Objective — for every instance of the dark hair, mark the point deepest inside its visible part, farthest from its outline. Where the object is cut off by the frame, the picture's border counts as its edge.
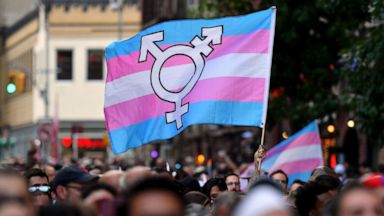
(6, 170)
(190, 184)
(281, 172)
(330, 182)
(98, 186)
(306, 197)
(230, 174)
(63, 209)
(264, 181)
(148, 185)
(219, 182)
(35, 172)
(298, 181)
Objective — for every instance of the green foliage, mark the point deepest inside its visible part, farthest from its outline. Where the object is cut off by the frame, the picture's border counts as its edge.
(311, 41)
(364, 74)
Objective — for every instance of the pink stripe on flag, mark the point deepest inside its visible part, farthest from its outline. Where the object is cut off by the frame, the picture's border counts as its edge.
(150, 106)
(306, 165)
(256, 42)
(303, 140)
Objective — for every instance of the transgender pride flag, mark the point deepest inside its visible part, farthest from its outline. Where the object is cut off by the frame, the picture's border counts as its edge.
(298, 155)
(179, 73)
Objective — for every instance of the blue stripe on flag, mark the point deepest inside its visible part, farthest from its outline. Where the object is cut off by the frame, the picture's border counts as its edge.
(207, 112)
(183, 31)
(303, 176)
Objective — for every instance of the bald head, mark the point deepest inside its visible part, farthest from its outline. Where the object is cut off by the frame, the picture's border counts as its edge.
(135, 174)
(112, 178)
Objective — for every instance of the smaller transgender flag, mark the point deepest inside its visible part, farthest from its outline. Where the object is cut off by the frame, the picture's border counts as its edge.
(298, 155)
(185, 72)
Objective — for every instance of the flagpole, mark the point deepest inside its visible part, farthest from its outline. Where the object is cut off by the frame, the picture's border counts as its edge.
(260, 153)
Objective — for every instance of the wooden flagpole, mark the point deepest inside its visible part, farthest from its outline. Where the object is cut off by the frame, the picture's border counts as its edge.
(260, 153)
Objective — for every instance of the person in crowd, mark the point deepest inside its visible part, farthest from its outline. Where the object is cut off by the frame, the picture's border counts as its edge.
(191, 184)
(312, 198)
(196, 197)
(112, 178)
(213, 187)
(38, 186)
(357, 200)
(233, 182)
(194, 209)
(154, 196)
(295, 185)
(374, 181)
(66, 209)
(322, 170)
(225, 203)
(265, 198)
(69, 183)
(14, 197)
(281, 178)
(99, 197)
(50, 171)
(133, 175)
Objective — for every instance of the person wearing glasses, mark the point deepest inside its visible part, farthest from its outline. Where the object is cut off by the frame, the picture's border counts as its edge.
(38, 187)
(233, 182)
(69, 182)
(280, 177)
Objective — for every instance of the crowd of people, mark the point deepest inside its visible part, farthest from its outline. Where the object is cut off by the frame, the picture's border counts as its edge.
(74, 190)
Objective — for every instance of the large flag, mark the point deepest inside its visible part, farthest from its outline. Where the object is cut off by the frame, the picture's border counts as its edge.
(298, 155)
(179, 73)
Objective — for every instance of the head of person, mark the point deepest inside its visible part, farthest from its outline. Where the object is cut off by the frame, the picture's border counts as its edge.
(321, 171)
(69, 182)
(213, 187)
(14, 197)
(374, 181)
(357, 200)
(97, 193)
(38, 186)
(66, 209)
(197, 198)
(312, 198)
(233, 182)
(112, 178)
(265, 198)
(280, 177)
(190, 184)
(225, 203)
(154, 196)
(134, 175)
(295, 185)
(50, 171)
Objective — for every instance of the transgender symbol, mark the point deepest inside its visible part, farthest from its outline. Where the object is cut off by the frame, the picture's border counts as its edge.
(195, 53)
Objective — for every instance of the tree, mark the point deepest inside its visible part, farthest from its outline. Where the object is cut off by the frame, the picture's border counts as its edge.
(310, 39)
(364, 75)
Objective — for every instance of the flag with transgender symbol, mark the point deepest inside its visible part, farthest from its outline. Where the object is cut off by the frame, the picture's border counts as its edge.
(178, 73)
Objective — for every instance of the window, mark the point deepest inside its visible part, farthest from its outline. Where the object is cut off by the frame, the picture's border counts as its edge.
(64, 64)
(95, 64)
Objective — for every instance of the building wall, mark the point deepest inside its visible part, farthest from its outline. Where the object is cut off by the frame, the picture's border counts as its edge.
(78, 100)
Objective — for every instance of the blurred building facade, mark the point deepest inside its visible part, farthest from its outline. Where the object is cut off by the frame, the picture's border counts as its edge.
(55, 56)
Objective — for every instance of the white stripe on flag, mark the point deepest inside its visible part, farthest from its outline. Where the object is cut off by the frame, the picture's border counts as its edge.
(299, 153)
(231, 65)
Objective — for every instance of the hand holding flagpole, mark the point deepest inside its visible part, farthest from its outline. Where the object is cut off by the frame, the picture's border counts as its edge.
(259, 156)
(260, 153)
